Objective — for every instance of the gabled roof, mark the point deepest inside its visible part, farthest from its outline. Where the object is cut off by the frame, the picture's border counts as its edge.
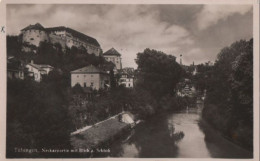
(75, 33)
(112, 51)
(89, 69)
(45, 66)
(37, 26)
(40, 66)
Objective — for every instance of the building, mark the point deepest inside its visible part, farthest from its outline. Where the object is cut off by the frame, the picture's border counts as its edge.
(38, 70)
(126, 80)
(90, 76)
(15, 69)
(113, 56)
(66, 37)
(195, 71)
(128, 70)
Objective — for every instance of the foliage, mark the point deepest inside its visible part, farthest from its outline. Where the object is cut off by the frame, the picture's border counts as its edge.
(37, 116)
(229, 101)
(202, 77)
(158, 73)
(112, 79)
(77, 89)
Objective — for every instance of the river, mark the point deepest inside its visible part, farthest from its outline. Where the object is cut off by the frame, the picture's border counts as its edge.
(176, 135)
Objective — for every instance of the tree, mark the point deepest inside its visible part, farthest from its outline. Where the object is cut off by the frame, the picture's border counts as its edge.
(158, 73)
(229, 101)
(112, 79)
(37, 116)
(13, 45)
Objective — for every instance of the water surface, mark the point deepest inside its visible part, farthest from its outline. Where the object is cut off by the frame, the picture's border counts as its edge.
(176, 135)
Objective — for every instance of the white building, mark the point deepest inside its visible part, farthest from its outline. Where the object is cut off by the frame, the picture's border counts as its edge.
(38, 70)
(126, 80)
(90, 76)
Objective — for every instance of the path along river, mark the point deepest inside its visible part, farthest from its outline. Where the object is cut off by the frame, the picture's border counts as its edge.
(176, 135)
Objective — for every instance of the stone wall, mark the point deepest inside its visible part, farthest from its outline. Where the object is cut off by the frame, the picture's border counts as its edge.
(34, 37)
(57, 39)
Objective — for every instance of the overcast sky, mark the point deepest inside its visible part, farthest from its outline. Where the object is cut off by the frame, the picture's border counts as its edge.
(198, 32)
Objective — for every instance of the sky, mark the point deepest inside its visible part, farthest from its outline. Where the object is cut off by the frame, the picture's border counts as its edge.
(197, 32)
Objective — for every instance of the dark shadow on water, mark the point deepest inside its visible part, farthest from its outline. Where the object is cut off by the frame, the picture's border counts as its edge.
(151, 139)
(219, 146)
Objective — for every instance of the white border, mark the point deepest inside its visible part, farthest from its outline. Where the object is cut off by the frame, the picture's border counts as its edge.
(3, 64)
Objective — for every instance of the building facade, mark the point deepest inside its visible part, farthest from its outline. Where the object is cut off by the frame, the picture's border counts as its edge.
(66, 37)
(36, 71)
(15, 69)
(90, 76)
(113, 56)
(126, 80)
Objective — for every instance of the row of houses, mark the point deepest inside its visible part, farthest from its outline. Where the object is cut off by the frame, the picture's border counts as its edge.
(19, 70)
(89, 76)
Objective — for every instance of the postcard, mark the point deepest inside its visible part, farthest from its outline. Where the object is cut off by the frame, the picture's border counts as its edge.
(124, 80)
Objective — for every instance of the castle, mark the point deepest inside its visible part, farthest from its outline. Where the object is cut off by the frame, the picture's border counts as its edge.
(35, 34)
(113, 56)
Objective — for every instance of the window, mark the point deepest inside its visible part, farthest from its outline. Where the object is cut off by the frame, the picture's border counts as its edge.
(77, 76)
(92, 84)
(31, 38)
(129, 85)
(85, 84)
(91, 75)
(84, 75)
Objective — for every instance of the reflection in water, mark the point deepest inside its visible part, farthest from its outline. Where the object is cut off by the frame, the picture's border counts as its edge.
(181, 135)
(220, 147)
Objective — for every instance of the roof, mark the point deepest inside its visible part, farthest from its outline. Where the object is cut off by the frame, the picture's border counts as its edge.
(45, 66)
(112, 51)
(75, 33)
(89, 69)
(37, 26)
(40, 66)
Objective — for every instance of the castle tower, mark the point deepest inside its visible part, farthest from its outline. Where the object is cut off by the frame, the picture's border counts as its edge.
(114, 56)
(34, 34)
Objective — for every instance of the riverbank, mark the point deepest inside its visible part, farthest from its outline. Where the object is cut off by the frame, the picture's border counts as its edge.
(156, 138)
(237, 133)
(100, 133)
(212, 134)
